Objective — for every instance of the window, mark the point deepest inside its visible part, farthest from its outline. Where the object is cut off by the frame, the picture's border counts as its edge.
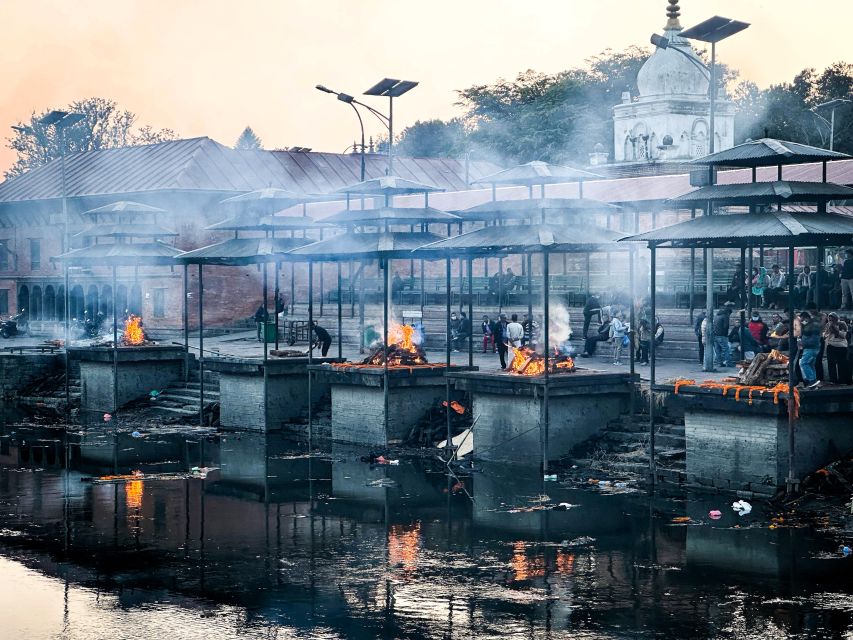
(4, 254)
(35, 253)
(4, 302)
(159, 303)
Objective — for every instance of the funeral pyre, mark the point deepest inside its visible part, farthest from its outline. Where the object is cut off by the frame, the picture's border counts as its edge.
(528, 362)
(403, 350)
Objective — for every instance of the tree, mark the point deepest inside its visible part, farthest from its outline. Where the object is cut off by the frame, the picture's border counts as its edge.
(104, 126)
(248, 140)
(433, 139)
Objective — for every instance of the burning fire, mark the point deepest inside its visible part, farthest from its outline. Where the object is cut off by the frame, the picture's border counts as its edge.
(402, 350)
(133, 333)
(526, 362)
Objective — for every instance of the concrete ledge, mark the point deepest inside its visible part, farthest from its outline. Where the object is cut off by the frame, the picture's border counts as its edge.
(255, 366)
(581, 381)
(374, 376)
(127, 354)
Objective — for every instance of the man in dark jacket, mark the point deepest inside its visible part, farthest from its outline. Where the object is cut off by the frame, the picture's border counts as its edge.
(592, 307)
(322, 339)
(809, 343)
(501, 339)
(260, 318)
(847, 280)
(697, 329)
(722, 351)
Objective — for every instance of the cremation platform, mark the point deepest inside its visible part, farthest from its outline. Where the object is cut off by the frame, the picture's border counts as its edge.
(509, 411)
(242, 403)
(739, 444)
(139, 371)
(358, 404)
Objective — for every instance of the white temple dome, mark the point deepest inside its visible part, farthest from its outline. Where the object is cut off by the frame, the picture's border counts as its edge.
(669, 72)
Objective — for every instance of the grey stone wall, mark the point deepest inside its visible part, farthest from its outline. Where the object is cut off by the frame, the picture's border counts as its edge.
(19, 370)
(357, 412)
(508, 427)
(242, 400)
(135, 380)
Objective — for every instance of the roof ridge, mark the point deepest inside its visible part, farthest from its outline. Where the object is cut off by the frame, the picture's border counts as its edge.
(203, 141)
(790, 223)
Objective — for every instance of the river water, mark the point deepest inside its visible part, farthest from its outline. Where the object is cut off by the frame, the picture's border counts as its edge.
(278, 545)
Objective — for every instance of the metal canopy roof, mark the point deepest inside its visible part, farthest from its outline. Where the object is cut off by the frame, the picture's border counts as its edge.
(125, 231)
(387, 186)
(742, 229)
(121, 254)
(392, 244)
(523, 209)
(265, 223)
(766, 152)
(124, 206)
(751, 193)
(399, 215)
(243, 251)
(528, 238)
(538, 172)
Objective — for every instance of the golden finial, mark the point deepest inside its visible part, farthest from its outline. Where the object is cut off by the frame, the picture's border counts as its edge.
(672, 13)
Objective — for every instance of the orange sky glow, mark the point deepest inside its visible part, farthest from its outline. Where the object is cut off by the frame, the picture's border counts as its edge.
(211, 67)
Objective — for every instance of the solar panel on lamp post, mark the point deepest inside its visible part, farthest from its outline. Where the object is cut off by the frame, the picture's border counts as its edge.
(833, 105)
(392, 89)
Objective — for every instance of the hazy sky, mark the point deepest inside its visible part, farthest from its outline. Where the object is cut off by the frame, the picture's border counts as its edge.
(210, 67)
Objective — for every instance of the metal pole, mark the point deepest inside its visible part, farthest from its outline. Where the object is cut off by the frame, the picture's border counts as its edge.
(115, 346)
(471, 313)
(340, 316)
(186, 324)
(748, 287)
(692, 272)
(275, 303)
(546, 321)
(292, 288)
(633, 315)
(792, 357)
(266, 350)
(831, 130)
(361, 344)
(390, 136)
(653, 269)
(66, 241)
(310, 354)
(530, 293)
(200, 346)
(712, 87)
(818, 281)
(386, 291)
(745, 308)
(447, 347)
(322, 288)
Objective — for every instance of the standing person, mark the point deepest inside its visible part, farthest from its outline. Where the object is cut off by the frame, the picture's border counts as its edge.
(531, 332)
(464, 329)
(700, 335)
(809, 343)
(644, 341)
(618, 330)
(835, 338)
(322, 339)
(775, 287)
(515, 332)
(260, 318)
(722, 352)
(488, 335)
(455, 325)
(734, 292)
(759, 283)
(502, 338)
(847, 280)
(818, 297)
(759, 330)
(592, 307)
(396, 285)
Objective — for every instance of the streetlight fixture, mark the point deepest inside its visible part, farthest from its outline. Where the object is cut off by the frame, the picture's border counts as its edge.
(833, 105)
(712, 30)
(388, 87)
(62, 120)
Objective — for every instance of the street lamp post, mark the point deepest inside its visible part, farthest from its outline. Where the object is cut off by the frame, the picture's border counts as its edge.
(712, 30)
(388, 87)
(61, 120)
(832, 104)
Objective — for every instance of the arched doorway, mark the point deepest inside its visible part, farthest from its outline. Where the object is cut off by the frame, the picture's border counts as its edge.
(23, 298)
(60, 303)
(77, 303)
(92, 301)
(135, 303)
(35, 303)
(49, 312)
(121, 300)
(106, 306)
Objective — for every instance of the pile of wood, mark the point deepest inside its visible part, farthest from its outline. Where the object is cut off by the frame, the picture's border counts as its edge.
(398, 356)
(765, 369)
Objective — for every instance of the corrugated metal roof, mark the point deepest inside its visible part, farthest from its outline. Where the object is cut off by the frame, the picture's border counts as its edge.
(766, 152)
(202, 164)
(243, 251)
(399, 215)
(538, 172)
(265, 223)
(125, 231)
(392, 244)
(750, 193)
(521, 209)
(728, 230)
(387, 186)
(527, 238)
(121, 254)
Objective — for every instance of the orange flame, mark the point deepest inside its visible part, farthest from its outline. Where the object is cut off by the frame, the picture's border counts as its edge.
(402, 335)
(526, 362)
(133, 334)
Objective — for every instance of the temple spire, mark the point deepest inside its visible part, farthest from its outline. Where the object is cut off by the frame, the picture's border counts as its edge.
(672, 13)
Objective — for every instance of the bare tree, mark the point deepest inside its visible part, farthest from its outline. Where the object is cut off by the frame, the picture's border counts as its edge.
(248, 140)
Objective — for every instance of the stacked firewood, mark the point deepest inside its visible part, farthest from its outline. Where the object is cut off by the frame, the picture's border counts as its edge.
(765, 369)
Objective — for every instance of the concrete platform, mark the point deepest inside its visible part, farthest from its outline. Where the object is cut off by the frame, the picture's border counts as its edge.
(741, 446)
(358, 400)
(243, 405)
(140, 370)
(510, 417)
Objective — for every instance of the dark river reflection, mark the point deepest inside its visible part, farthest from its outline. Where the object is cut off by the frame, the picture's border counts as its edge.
(277, 545)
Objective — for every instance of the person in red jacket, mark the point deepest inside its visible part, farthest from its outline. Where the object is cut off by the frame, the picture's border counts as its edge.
(759, 331)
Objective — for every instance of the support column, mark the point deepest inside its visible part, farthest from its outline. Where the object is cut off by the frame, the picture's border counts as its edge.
(310, 354)
(386, 291)
(266, 348)
(340, 316)
(709, 305)
(447, 347)
(275, 301)
(545, 423)
(186, 320)
(200, 346)
(653, 269)
(692, 273)
(115, 347)
(792, 481)
(471, 313)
